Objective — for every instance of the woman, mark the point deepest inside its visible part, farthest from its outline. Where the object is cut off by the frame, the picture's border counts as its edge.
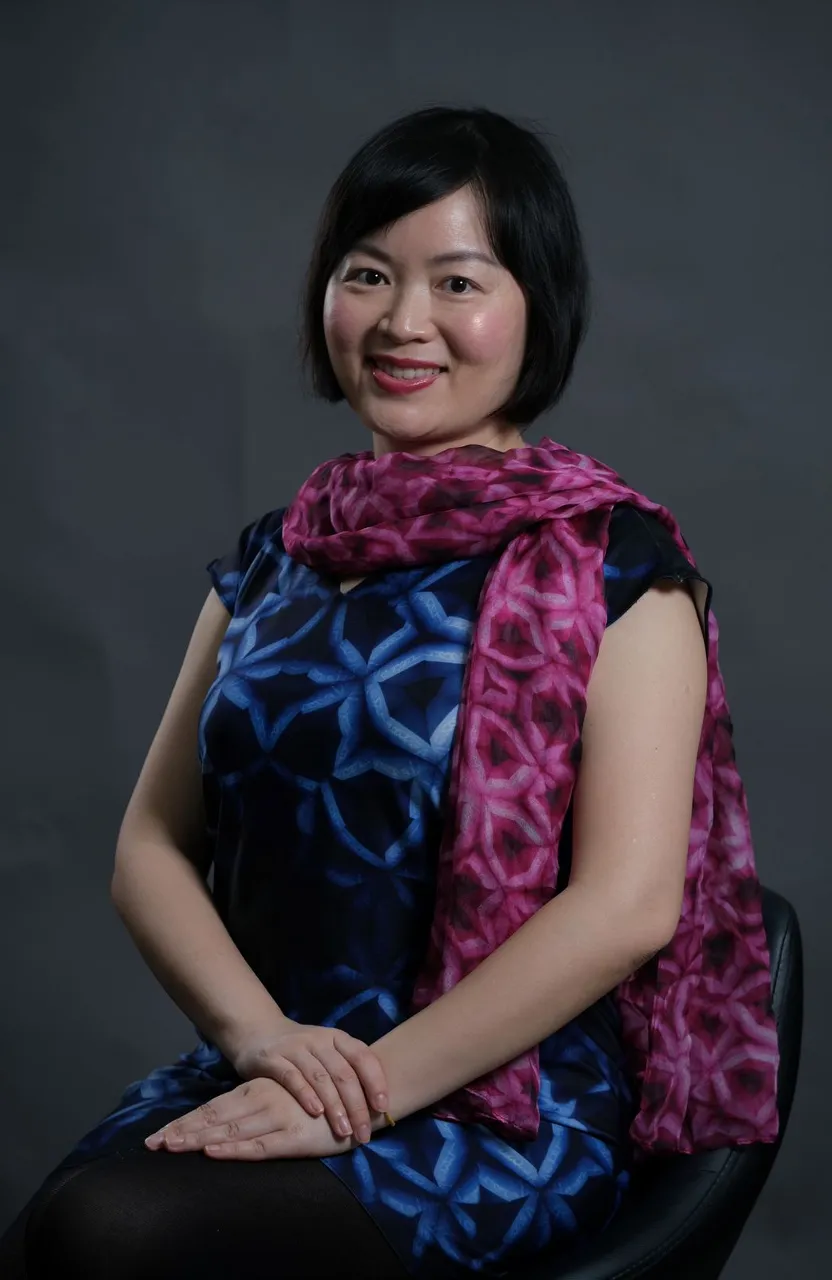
(415, 1011)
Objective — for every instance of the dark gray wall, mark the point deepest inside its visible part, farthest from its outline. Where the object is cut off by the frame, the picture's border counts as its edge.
(162, 166)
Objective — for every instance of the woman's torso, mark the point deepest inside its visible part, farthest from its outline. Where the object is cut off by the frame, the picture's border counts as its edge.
(325, 744)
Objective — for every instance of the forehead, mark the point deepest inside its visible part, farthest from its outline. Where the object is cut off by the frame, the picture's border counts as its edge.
(454, 222)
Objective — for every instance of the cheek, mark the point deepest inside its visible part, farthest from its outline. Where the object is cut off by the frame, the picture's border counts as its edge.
(492, 336)
(343, 326)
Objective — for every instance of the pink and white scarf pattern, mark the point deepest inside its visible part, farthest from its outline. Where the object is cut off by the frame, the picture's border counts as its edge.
(697, 1021)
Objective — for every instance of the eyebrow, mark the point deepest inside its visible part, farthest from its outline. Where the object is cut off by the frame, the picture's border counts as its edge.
(457, 255)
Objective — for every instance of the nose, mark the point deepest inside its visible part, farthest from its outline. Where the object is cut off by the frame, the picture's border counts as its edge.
(407, 315)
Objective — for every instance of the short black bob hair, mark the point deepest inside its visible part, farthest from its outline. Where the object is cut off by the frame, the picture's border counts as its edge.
(528, 216)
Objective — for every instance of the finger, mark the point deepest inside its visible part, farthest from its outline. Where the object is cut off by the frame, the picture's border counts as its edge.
(325, 1091)
(367, 1067)
(303, 1076)
(244, 1100)
(269, 1147)
(295, 1075)
(350, 1091)
(232, 1131)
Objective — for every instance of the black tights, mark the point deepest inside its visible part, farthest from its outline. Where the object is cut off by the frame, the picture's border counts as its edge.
(185, 1216)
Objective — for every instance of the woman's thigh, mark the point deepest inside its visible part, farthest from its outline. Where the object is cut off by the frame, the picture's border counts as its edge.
(139, 1213)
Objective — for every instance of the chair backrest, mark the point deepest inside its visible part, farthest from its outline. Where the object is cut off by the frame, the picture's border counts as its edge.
(684, 1214)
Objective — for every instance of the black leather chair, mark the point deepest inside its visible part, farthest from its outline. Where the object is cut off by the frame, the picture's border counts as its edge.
(684, 1214)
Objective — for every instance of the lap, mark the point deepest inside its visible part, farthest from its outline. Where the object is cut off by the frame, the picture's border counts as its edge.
(136, 1213)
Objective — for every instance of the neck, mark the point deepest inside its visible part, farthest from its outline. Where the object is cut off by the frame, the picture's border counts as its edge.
(500, 437)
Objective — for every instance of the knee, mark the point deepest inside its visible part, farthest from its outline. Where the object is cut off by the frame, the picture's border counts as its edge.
(82, 1231)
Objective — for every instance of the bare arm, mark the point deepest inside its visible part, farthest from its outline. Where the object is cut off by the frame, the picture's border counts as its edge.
(158, 885)
(158, 888)
(632, 812)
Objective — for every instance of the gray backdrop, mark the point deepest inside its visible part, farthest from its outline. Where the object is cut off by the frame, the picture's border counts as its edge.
(163, 163)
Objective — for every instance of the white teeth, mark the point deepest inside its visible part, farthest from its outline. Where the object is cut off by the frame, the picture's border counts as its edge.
(407, 374)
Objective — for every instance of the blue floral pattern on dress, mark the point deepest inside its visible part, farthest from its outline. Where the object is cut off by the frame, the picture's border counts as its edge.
(325, 744)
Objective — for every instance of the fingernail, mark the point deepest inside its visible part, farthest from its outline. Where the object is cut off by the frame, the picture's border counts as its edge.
(381, 1101)
(364, 1132)
(344, 1127)
(175, 1142)
(317, 1106)
(154, 1140)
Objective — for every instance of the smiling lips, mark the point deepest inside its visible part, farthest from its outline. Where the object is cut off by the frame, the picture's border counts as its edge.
(401, 377)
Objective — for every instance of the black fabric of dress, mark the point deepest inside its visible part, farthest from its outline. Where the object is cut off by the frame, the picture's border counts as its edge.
(136, 1213)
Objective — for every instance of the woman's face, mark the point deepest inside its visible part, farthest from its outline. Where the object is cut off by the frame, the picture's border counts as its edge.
(427, 291)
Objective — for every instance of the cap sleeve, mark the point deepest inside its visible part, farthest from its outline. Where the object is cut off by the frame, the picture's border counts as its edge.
(640, 551)
(228, 571)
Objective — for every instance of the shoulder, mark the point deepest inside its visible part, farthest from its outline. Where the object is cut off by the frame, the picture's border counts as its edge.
(229, 570)
(641, 551)
(266, 530)
(636, 535)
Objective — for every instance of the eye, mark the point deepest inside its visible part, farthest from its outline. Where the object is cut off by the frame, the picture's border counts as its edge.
(468, 285)
(357, 272)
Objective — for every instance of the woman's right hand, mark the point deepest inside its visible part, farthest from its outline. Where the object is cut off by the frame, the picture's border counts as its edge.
(326, 1070)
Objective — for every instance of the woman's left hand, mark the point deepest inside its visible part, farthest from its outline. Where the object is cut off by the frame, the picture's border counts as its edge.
(258, 1120)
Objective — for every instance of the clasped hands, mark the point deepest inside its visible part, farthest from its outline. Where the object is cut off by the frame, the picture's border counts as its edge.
(306, 1091)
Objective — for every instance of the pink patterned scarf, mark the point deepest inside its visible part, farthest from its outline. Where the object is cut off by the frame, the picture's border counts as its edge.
(697, 1020)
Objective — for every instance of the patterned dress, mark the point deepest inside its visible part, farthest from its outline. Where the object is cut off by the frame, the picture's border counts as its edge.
(325, 745)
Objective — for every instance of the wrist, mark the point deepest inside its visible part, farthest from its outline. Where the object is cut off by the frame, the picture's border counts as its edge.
(405, 1090)
(381, 1120)
(241, 1040)
(323, 1142)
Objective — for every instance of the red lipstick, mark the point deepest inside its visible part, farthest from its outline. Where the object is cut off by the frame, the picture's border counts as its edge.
(403, 386)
